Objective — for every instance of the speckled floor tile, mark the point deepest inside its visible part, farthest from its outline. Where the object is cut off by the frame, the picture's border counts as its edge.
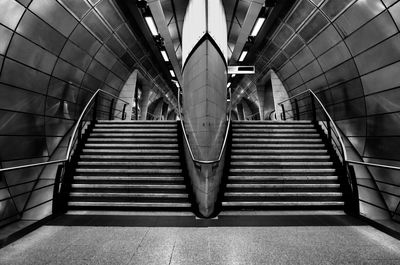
(214, 245)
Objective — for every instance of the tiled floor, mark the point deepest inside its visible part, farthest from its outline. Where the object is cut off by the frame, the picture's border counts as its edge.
(343, 241)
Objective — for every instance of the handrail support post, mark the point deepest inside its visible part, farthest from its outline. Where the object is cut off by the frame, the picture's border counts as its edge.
(283, 112)
(111, 109)
(124, 113)
(314, 111)
(95, 108)
(328, 123)
(297, 109)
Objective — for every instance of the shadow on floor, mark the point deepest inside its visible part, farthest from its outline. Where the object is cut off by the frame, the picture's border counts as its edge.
(190, 221)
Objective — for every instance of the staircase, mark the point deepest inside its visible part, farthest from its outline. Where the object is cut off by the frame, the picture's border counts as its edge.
(130, 166)
(280, 165)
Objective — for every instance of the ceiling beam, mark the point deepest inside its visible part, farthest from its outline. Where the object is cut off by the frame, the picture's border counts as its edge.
(159, 18)
(249, 20)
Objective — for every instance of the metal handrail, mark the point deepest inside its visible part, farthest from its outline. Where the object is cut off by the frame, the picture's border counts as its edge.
(187, 140)
(111, 95)
(295, 96)
(373, 165)
(333, 124)
(339, 135)
(327, 115)
(71, 140)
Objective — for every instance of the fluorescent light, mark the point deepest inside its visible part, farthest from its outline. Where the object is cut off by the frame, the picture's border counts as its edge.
(172, 73)
(241, 91)
(233, 75)
(242, 56)
(257, 26)
(152, 25)
(229, 84)
(165, 55)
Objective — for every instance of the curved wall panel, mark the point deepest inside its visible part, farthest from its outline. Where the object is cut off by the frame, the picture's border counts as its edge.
(53, 55)
(348, 52)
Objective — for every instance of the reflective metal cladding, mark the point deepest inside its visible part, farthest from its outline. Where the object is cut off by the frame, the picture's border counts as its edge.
(53, 55)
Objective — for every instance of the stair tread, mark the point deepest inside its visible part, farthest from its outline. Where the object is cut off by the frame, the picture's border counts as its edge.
(130, 163)
(141, 170)
(126, 151)
(130, 204)
(274, 135)
(132, 145)
(282, 203)
(278, 151)
(281, 163)
(119, 135)
(138, 121)
(132, 140)
(272, 121)
(282, 194)
(130, 157)
(275, 157)
(283, 177)
(122, 186)
(283, 185)
(276, 140)
(129, 178)
(274, 130)
(270, 170)
(129, 194)
(308, 145)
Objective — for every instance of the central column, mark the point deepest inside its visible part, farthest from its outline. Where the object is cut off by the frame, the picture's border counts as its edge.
(204, 57)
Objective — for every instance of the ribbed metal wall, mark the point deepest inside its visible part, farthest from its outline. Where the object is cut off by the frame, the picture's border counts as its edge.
(348, 51)
(53, 55)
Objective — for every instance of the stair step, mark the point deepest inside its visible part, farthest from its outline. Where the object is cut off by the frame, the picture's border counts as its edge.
(130, 164)
(272, 125)
(130, 151)
(138, 130)
(129, 178)
(274, 135)
(265, 122)
(283, 185)
(131, 204)
(278, 151)
(274, 130)
(283, 170)
(279, 157)
(132, 140)
(118, 146)
(148, 127)
(139, 122)
(130, 157)
(130, 171)
(277, 146)
(282, 203)
(283, 178)
(128, 195)
(275, 141)
(283, 194)
(280, 164)
(134, 135)
(127, 186)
